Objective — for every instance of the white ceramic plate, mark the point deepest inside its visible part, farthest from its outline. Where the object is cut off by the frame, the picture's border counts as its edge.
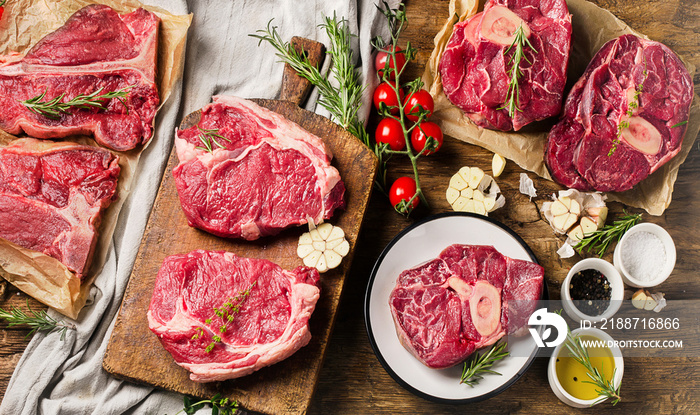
(419, 243)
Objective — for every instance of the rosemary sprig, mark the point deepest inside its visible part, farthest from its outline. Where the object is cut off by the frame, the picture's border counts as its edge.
(599, 240)
(344, 101)
(605, 387)
(38, 321)
(480, 364)
(53, 108)
(631, 108)
(209, 136)
(513, 95)
(679, 124)
(227, 312)
(219, 404)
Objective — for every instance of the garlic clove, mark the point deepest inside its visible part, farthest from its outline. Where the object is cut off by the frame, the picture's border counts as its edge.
(639, 299)
(459, 204)
(315, 235)
(498, 163)
(452, 194)
(468, 193)
(566, 201)
(650, 303)
(575, 207)
(489, 203)
(588, 225)
(479, 207)
(311, 259)
(324, 230)
(304, 249)
(343, 248)
(469, 206)
(475, 177)
(576, 233)
(558, 208)
(458, 182)
(478, 196)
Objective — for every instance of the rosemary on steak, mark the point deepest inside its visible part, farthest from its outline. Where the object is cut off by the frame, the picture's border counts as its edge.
(512, 103)
(631, 108)
(599, 240)
(342, 101)
(480, 364)
(680, 124)
(227, 312)
(53, 108)
(37, 320)
(209, 136)
(605, 387)
(219, 405)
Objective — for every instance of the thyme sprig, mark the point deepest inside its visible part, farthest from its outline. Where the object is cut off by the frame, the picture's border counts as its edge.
(37, 320)
(512, 103)
(209, 136)
(605, 387)
(631, 108)
(342, 101)
(599, 240)
(219, 405)
(53, 108)
(480, 364)
(227, 312)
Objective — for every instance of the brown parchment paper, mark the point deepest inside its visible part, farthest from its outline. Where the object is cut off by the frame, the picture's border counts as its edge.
(37, 274)
(592, 28)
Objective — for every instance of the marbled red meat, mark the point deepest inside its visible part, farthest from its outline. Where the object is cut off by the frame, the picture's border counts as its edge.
(467, 298)
(271, 325)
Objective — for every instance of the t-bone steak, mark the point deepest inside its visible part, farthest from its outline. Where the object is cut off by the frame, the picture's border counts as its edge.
(97, 49)
(52, 196)
(477, 64)
(623, 119)
(247, 172)
(270, 325)
(467, 298)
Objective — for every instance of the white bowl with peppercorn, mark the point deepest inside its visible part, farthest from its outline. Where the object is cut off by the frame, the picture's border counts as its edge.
(592, 290)
(645, 255)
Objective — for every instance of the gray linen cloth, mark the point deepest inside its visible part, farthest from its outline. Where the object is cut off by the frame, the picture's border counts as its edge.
(66, 377)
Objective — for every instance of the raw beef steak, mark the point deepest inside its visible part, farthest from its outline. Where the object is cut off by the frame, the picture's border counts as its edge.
(476, 65)
(467, 298)
(52, 196)
(270, 325)
(96, 50)
(262, 175)
(623, 119)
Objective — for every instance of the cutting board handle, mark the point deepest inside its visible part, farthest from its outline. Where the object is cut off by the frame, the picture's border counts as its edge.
(295, 88)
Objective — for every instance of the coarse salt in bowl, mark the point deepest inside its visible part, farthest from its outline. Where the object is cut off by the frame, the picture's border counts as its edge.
(645, 255)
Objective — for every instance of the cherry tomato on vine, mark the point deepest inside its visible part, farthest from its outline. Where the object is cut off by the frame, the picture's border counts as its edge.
(417, 100)
(390, 131)
(403, 189)
(385, 93)
(380, 62)
(420, 134)
(2, 7)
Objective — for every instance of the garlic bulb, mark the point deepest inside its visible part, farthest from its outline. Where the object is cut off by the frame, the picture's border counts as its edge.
(323, 248)
(470, 190)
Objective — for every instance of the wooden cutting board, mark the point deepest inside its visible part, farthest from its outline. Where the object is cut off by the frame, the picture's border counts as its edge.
(135, 354)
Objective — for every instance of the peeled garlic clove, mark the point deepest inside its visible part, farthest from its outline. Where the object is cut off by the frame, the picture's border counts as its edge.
(588, 226)
(649, 304)
(324, 230)
(479, 207)
(452, 194)
(558, 208)
(304, 249)
(576, 233)
(489, 203)
(458, 181)
(343, 248)
(478, 196)
(498, 163)
(639, 299)
(311, 259)
(575, 207)
(475, 177)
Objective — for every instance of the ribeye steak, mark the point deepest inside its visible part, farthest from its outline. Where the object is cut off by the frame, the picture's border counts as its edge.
(95, 49)
(270, 325)
(467, 298)
(623, 119)
(52, 196)
(262, 175)
(477, 63)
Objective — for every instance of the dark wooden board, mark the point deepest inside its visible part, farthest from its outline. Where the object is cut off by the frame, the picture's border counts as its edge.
(135, 354)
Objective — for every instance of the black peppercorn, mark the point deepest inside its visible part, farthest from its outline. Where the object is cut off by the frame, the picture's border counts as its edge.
(590, 291)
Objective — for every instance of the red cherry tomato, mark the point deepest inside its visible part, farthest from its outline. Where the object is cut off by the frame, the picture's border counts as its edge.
(385, 93)
(389, 131)
(380, 62)
(417, 100)
(420, 134)
(404, 188)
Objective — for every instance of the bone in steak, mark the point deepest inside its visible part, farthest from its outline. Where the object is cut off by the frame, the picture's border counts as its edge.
(52, 196)
(96, 48)
(264, 173)
(271, 324)
(476, 65)
(467, 298)
(601, 110)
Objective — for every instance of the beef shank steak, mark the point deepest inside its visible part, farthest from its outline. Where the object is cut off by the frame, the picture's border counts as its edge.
(97, 51)
(623, 119)
(259, 174)
(467, 298)
(52, 196)
(270, 325)
(477, 64)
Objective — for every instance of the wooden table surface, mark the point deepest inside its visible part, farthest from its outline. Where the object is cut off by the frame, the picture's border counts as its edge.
(353, 381)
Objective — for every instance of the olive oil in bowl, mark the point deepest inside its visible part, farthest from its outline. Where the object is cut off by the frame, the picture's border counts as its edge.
(572, 375)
